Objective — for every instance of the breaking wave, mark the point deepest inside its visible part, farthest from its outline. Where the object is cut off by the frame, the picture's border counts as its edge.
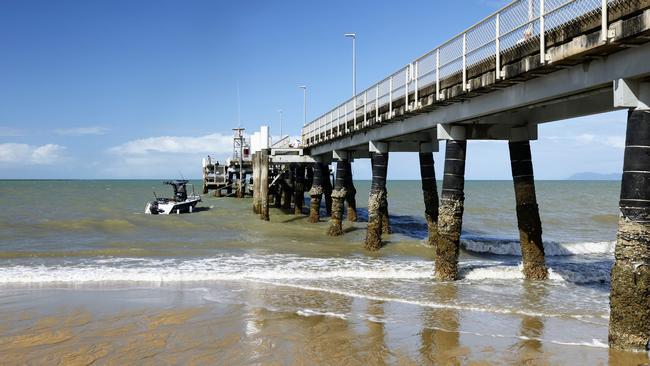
(512, 247)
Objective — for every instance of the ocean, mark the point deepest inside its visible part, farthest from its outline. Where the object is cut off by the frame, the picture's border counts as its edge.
(78, 258)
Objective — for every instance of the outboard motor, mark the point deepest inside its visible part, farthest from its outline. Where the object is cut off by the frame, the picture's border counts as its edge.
(153, 208)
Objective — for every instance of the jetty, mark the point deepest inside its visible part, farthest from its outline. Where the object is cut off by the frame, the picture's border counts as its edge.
(531, 62)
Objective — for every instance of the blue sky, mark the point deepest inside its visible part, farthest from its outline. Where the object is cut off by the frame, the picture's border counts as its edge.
(144, 89)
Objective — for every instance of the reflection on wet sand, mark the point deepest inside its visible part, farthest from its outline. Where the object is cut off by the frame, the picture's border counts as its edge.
(529, 348)
(440, 339)
(378, 352)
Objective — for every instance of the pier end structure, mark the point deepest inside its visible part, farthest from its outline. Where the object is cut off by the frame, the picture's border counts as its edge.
(528, 220)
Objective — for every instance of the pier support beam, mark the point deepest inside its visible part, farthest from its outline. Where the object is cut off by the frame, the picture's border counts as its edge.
(263, 158)
(350, 198)
(299, 189)
(530, 225)
(316, 193)
(287, 189)
(376, 200)
(430, 193)
(338, 199)
(450, 216)
(629, 322)
(229, 184)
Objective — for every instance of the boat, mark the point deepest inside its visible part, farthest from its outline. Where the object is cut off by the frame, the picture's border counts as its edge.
(180, 203)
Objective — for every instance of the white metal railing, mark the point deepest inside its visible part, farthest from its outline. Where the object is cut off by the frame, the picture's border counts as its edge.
(522, 24)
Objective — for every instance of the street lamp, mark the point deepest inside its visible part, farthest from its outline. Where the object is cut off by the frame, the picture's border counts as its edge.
(280, 111)
(304, 90)
(354, 61)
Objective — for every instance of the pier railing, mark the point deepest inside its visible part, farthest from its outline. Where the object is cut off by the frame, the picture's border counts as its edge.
(520, 27)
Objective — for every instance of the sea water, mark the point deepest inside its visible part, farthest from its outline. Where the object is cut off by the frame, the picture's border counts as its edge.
(94, 236)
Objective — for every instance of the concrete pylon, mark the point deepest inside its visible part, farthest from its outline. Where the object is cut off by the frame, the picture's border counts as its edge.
(350, 197)
(338, 199)
(316, 193)
(376, 200)
(629, 320)
(530, 225)
(450, 214)
(430, 194)
(327, 187)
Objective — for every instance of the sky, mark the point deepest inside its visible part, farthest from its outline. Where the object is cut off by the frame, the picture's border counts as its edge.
(125, 89)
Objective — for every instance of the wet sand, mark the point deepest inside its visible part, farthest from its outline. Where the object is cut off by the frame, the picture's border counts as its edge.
(173, 326)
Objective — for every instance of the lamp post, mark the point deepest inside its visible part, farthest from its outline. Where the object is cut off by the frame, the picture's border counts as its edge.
(304, 90)
(354, 61)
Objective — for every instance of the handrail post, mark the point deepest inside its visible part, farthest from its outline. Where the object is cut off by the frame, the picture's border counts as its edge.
(465, 61)
(498, 46)
(604, 20)
(377, 103)
(345, 117)
(406, 87)
(437, 74)
(542, 33)
(365, 108)
(415, 93)
(390, 98)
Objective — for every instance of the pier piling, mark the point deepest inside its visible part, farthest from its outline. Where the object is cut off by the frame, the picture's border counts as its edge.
(256, 182)
(430, 193)
(264, 184)
(629, 322)
(338, 199)
(350, 197)
(530, 225)
(327, 187)
(450, 215)
(287, 189)
(376, 200)
(299, 189)
(316, 193)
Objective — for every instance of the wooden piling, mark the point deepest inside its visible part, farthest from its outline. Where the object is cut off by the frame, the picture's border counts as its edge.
(338, 199)
(350, 197)
(528, 221)
(316, 193)
(264, 184)
(376, 199)
(287, 189)
(299, 189)
(629, 320)
(256, 182)
(430, 194)
(450, 215)
(229, 184)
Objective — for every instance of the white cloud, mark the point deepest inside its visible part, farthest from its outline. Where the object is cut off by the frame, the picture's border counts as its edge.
(214, 143)
(82, 131)
(11, 153)
(166, 156)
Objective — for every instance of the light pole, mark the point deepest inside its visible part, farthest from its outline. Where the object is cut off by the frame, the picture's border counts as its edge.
(280, 111)
(354, 62)
(304, 90)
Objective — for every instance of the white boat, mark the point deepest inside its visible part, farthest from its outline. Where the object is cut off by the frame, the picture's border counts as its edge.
(180, 203)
